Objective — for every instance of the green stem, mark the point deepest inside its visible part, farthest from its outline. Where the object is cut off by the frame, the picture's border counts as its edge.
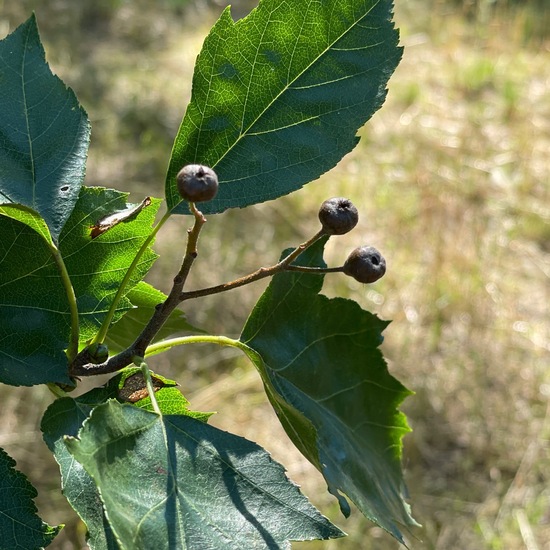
(72, 349)
(165, 345)
(102, 333)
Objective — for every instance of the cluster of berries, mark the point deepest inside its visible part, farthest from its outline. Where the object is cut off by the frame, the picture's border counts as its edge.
(198, 183)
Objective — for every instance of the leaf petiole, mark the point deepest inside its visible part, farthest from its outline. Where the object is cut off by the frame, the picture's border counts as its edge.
(165, 345)
(72, 349)
(102, 332)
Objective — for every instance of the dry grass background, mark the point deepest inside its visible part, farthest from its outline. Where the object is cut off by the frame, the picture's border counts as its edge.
(452, 180)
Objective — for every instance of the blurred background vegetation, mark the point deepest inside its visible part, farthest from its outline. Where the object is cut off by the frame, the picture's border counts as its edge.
(452, 180)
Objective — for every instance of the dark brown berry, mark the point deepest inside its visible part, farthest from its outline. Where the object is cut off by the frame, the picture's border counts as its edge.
(197, 183)
(365, 264)
(338, 216)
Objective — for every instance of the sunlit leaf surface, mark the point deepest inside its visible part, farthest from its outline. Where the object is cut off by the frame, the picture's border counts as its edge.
(279, 95)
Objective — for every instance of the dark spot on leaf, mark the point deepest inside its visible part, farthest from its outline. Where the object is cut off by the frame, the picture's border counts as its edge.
(219, 123)
(227, 70)
(272, 56)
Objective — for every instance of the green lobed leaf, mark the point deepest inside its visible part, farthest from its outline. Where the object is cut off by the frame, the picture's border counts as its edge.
(32, 297)
(34, 311)
(44, 132)
(97, 266)
(278, 96)
(20, 526)
(144, 298)
(65, 418)
(330, 387)
(175, 482)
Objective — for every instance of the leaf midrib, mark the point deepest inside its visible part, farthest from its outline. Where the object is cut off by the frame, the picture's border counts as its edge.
(27, 121)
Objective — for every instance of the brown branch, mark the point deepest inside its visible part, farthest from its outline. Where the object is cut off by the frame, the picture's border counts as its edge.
(262, 273)
(82, 366)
